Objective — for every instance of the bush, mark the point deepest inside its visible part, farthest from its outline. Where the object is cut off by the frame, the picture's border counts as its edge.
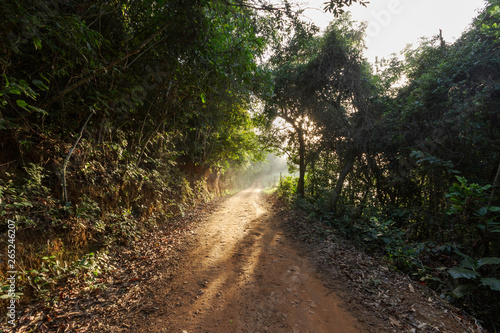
(287, 188)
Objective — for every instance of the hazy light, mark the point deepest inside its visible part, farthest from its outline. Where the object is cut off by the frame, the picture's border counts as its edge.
(393, 24)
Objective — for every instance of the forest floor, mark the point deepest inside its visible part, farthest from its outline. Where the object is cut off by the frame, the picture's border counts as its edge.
(242, 264)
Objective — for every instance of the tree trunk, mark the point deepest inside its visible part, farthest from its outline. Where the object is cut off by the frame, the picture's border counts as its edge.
(302, 162)
(65, 198)
(313, 176)
(302, 151)
(378, 178)
(348, 166)
(495, 183)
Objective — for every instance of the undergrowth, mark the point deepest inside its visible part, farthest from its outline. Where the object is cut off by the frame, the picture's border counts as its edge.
(115, 201)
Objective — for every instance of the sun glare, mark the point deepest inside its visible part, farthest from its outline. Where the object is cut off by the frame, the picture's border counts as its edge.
(393, 24)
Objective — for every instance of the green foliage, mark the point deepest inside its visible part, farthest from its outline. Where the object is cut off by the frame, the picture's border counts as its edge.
(490, 20)
(172, 84)
(383, 150)
(470, 270)
(469, 199)
(473, 217)
(337, 6)
(391, 162)
(315, 78)
(34, 185)
(384, 233)
(87, 208)
(176, 85)
(44, 278)
(287, 188)
(87, 270)
(432, 164)
(29, 203)
(123, 228)
(82, 272)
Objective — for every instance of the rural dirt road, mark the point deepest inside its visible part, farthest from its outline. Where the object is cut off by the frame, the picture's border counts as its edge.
(243, 275)
(243, 264)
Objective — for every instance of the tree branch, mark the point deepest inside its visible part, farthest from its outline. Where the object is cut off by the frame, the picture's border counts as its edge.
(495, 183)
(105, 69)
(66, 160)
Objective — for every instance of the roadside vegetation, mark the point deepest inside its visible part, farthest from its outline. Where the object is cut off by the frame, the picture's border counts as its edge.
(402, 159)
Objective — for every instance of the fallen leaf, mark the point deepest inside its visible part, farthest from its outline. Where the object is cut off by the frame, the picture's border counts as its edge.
(394, 321)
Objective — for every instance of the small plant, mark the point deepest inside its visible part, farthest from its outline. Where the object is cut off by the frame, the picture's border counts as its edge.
(6, 291)
(87, 208)
(123, 228)
(469, 205)
(49, 273)
(383, 232)
(81, 272)
(287, 187)
(34, 184)
(88, 268)
(470, 270)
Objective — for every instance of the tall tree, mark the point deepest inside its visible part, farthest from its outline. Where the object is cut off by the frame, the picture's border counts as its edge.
(322, 83)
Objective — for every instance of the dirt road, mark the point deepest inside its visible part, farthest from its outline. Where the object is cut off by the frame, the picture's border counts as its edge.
(243, 275)
(228, 266)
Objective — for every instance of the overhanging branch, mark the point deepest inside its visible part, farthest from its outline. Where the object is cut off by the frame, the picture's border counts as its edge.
(98, 72)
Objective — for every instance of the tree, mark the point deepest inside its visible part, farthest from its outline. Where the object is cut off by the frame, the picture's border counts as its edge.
(322, 83)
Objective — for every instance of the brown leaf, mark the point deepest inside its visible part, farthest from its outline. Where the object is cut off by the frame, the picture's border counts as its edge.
(394, 321)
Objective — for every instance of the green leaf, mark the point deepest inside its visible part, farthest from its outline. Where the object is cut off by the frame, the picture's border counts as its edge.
(40, 84)
(458, 272)
(483, 211)
(493, 283)
(7, 83)
(494, 226)
(14, 90)
(37, 42)
(43, 77)
(467, 262)
(494, 209)
(42, 111)
(4, 296)
(462, 290)
(488, 261)
(21, 103)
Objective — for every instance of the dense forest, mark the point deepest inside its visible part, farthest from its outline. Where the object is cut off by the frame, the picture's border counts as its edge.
(116, 116)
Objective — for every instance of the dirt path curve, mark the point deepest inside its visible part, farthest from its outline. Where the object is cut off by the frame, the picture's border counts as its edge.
(243, 275)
